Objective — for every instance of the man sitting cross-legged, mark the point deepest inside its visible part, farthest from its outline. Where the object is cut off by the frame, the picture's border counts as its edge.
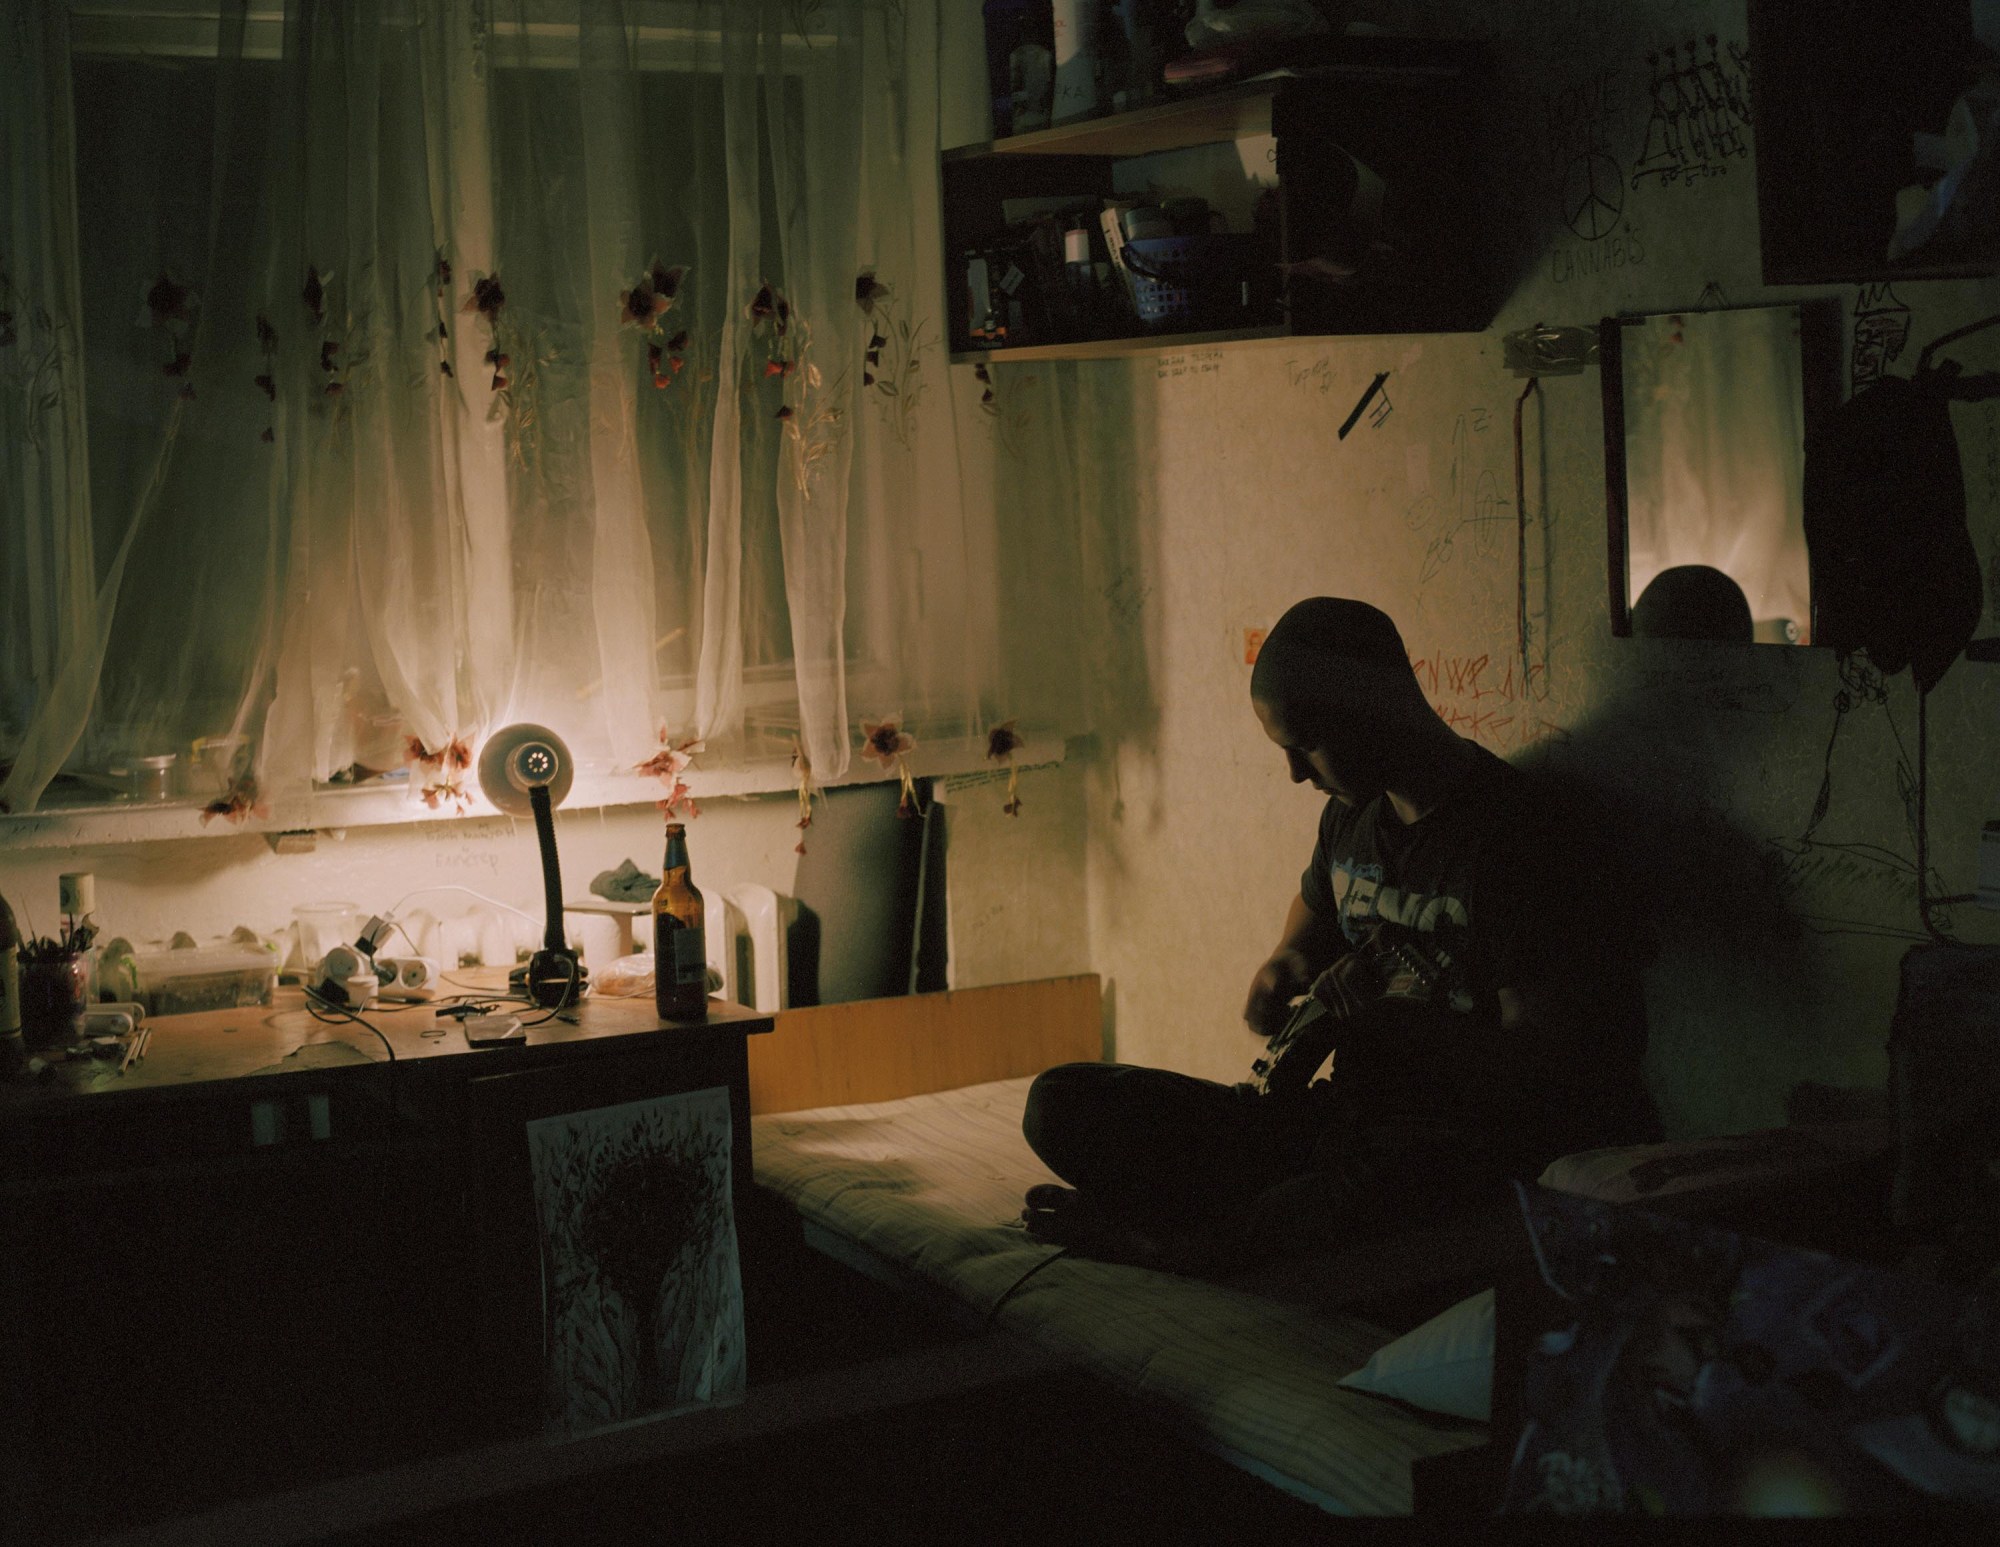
(1471, 966)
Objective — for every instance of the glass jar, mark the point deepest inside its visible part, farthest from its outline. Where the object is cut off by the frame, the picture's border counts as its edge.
(153, 777)
(54, 995)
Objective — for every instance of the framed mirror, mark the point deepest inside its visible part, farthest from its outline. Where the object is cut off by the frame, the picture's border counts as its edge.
(1705, 414)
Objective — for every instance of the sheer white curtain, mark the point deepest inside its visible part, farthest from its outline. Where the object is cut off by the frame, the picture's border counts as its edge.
(53, 619)
(449, 362)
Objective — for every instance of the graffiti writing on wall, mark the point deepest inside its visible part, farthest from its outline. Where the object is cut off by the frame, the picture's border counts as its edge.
(1743, 691)
(1881, 329)
(1577, 124)
(1623, 251)
(1472, 510)
(1833, 872)
(1700, 108)
(1316, 377)
(1196, 362)
(1492, 702)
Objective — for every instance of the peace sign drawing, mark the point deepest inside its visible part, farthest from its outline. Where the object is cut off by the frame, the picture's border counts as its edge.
(1593, 195)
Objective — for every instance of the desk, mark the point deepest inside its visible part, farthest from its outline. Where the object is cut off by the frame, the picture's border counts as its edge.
(267, 1253)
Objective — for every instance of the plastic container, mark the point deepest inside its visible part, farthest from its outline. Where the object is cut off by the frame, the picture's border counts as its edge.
(153, 778)
(321, 926)
(1179, 280)
(215, 763)
(220, 977)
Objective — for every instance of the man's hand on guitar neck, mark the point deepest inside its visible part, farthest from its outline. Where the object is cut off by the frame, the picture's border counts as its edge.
(1278, 982)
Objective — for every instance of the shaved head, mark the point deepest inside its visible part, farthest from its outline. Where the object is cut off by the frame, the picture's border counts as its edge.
(1329, 656)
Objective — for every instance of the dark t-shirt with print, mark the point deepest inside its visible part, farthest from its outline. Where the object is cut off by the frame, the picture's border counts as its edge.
(1516, 897)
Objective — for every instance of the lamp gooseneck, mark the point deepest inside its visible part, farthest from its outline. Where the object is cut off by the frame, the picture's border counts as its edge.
(545, 835)
(527, 769)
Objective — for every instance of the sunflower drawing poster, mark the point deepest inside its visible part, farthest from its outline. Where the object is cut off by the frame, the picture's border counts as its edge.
(642, 1293)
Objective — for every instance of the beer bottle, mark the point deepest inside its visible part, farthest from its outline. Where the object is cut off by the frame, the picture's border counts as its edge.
(680, 943)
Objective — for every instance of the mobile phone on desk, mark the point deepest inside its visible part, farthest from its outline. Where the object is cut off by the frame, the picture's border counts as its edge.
(495, 1031)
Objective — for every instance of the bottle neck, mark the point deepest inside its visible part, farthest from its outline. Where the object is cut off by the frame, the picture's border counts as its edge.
(677, 854)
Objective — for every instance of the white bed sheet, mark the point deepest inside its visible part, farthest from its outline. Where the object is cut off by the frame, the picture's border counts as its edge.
(932, 1186)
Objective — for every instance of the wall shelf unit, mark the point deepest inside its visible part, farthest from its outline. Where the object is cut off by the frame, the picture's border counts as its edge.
(1401, 107)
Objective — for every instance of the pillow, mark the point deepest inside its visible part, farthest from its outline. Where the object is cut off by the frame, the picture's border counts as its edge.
(1444, 1366)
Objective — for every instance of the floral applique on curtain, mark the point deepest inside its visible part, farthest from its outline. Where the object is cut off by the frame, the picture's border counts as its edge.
(889, 744)
(334, 360)
(667, 765)
(802, 772)
(893, 365)
(241, 801)
(267, 379)
(444, 771)
(441, 303)
(487, 298)
(652, 297)
(667, 360)
(1002, 742)
(644, 306)
(811, 421)
(43, 369)
(1010, 420)
(170, 308)
(515, 353)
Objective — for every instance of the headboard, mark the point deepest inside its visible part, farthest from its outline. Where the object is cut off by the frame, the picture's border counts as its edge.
(882, 1049)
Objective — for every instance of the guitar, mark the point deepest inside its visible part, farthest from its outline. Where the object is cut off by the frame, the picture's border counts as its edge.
(1391, 964)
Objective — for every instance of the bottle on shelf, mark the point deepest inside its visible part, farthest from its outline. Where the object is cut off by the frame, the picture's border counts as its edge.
(680, 940)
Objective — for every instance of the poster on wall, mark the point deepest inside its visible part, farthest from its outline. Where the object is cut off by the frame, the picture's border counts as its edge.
(642, 1293)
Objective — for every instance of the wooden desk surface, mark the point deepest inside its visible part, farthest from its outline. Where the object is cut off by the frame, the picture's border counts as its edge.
(285, 1038)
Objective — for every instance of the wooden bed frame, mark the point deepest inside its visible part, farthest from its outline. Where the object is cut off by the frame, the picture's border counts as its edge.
(884, 1049)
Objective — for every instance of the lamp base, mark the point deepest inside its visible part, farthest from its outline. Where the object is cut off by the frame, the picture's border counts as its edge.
(552, 978)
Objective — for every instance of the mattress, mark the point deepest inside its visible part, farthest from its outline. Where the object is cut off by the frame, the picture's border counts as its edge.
(930, 1187)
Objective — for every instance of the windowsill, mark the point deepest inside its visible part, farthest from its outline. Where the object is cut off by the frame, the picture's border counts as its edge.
(378, 805)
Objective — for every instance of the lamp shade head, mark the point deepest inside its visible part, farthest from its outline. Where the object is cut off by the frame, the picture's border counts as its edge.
(518, 757)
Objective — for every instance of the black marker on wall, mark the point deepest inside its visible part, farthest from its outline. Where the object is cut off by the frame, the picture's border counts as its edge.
(1367, 397)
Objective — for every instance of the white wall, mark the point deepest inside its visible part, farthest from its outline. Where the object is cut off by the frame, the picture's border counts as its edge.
(1780, 958)
(209, 885)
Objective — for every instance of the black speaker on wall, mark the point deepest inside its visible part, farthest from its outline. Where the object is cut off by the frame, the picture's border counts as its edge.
(866, 878)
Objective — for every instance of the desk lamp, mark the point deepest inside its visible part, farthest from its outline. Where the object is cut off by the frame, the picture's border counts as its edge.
(526, 768)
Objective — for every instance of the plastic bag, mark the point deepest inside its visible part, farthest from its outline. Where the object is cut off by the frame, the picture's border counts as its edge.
(626, 978)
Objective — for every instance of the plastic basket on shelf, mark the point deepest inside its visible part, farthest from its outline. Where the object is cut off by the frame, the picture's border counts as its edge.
(1183, 279)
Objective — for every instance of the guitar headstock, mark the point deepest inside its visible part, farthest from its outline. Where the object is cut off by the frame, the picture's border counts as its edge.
(1413, 966)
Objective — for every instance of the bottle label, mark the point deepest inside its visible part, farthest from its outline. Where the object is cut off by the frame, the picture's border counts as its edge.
(690, 960)
(10, 991)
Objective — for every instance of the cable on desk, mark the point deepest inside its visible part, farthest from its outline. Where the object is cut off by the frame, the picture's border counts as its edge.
(568, 1000)
(316, 1004)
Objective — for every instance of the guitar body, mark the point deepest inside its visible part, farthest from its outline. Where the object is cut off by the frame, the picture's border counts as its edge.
(1392, 964)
